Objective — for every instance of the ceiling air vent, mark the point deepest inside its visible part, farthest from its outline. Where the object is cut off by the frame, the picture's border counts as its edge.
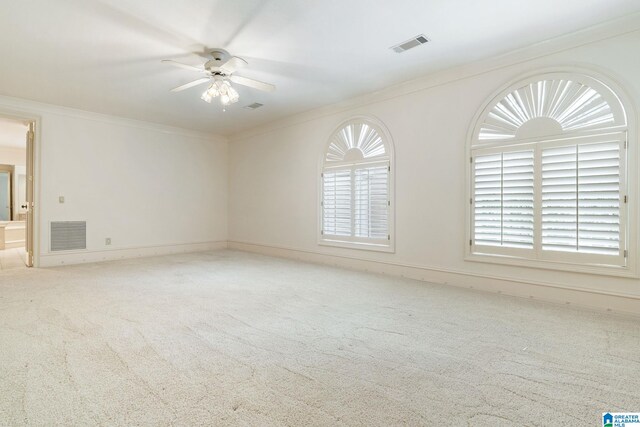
(68, 235)
(253, 106)
(411, 43)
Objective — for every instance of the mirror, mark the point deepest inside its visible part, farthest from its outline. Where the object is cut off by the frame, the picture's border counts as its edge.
(5, 195)
(13, 192)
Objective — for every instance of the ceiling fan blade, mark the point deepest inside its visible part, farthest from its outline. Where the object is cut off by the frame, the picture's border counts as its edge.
(201, 51)
(191, 84)
(232, 65)
(253, 83)
(181, 65)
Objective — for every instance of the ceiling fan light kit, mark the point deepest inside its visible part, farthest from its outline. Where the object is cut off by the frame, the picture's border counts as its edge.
(218, 72)
(221, 88)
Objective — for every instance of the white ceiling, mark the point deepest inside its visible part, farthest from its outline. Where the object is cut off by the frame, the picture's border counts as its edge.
(13, 134)
(104, 55)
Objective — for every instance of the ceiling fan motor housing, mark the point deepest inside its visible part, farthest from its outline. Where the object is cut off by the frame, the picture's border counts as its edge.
(219, 55)
(219, 58)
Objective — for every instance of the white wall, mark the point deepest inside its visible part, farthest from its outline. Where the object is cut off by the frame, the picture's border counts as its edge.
(274, 175)
(150, 188)
(13, 156)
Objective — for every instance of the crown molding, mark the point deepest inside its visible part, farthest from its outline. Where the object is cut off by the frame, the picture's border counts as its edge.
(593, 34)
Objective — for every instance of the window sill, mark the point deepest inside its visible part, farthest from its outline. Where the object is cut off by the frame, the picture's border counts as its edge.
(365, 246)
(598, 269)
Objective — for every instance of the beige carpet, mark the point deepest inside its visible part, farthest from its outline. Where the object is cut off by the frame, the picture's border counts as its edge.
(229, 338)
(11, 259)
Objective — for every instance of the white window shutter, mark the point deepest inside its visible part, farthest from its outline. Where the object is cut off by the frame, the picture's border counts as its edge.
(517, 199)
(488, 200)
(504, 199)
(559, 198)
(336, 203)
(371, 215)
(599, 198)
(581, 198)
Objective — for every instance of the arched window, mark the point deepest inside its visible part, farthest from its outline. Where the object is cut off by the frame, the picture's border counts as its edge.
(356, 190)
(548, 174)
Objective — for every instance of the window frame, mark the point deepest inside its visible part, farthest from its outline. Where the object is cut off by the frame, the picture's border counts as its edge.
(353, 242)
(557, 260)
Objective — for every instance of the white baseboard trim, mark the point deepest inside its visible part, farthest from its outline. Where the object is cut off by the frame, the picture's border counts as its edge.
(80, 257)
(12, 244)
(548, 292)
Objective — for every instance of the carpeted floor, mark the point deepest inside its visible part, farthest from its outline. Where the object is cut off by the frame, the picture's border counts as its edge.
(229, 338)
(11, 259)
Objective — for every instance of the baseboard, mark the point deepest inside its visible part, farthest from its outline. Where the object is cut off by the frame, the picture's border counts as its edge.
(12, 244)
(548, 292)
(80, 257)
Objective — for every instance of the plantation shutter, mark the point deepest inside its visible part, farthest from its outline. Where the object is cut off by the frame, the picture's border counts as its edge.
(504, 199)
(488, 200)
(336, 203)
(581, 198)
(599, 198)
(560, 198)
(371, 213)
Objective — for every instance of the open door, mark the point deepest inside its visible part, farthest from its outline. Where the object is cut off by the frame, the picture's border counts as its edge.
(30, 204)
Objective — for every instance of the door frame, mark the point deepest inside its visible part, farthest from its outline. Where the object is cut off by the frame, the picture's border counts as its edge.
(35, 161)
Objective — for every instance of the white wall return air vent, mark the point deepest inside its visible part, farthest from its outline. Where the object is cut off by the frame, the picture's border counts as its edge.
(411, 43)
(68, 235)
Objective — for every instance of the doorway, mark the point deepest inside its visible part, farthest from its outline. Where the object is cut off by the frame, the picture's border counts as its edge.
(16, 193)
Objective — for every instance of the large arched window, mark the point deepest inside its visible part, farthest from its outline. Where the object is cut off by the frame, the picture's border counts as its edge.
(548, 168)
(356, 190)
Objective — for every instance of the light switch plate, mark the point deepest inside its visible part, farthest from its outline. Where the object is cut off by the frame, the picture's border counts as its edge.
(61, 199)
(107, 241)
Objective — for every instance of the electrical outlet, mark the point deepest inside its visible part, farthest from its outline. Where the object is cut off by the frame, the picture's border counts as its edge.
(107, 241)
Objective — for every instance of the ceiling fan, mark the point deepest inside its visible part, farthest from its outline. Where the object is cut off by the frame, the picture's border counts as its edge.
(218, 72)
